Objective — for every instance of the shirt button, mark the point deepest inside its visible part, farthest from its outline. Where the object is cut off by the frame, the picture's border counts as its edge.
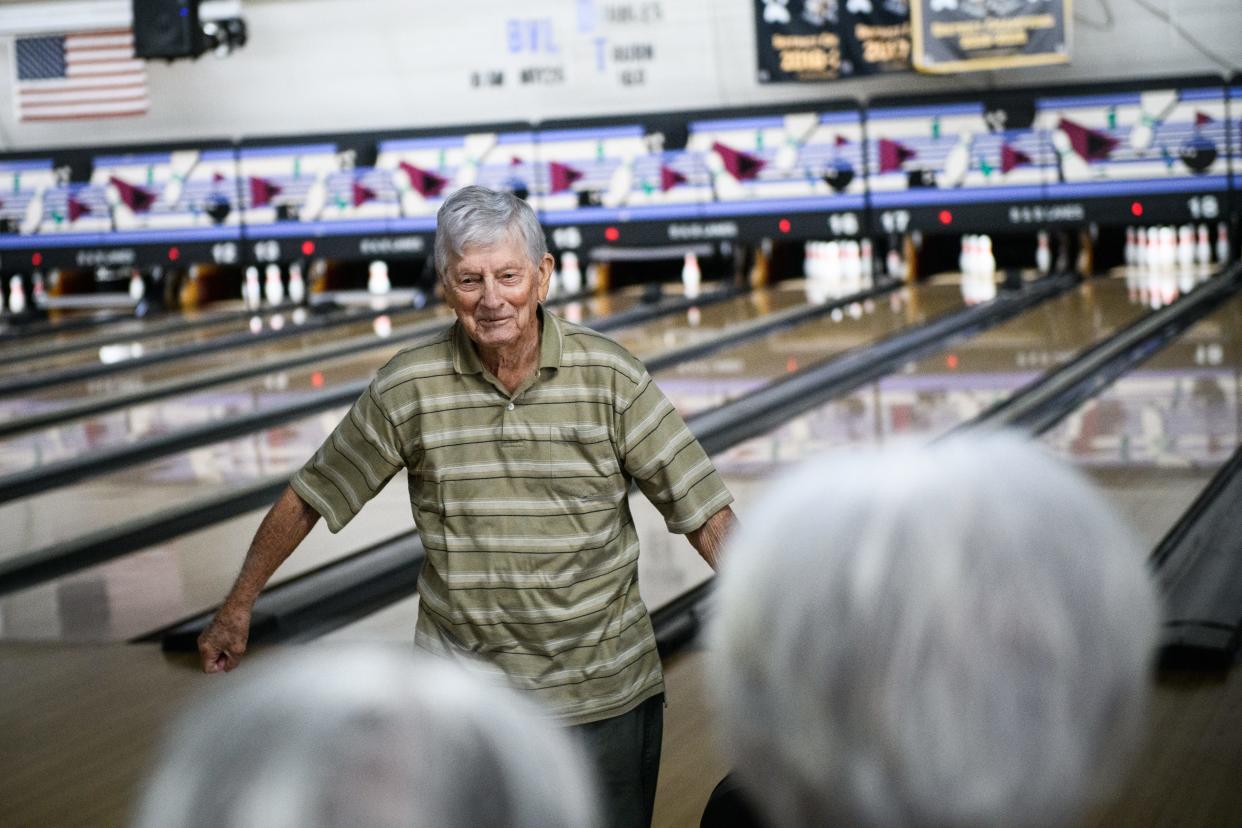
(509, 406)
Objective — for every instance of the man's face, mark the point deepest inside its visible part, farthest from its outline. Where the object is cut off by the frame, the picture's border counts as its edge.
(495, 290)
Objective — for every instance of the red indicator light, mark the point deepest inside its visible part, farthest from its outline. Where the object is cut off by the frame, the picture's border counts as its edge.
(308, 248)
(791, 364)
(945, 217)
(612, 233)
(174, 253)
(784, 225)
(36, 259)
(1136, 208)
(951, 361)
(317, 379)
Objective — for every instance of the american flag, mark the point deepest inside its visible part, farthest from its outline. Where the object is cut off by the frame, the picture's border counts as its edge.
(83, 75)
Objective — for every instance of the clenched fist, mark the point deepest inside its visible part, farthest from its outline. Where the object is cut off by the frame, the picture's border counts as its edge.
(222, 644)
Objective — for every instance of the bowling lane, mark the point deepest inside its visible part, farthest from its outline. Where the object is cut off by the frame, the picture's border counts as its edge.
(668, 566)
(929, 396)
(135, 423)
(700, 324)
(923, 400)
(1154, 438)
(138, 593)
(145, 490)
(119, 350)
(221, 466)
(19, 343)
(140, 491)
(61, 395)
(109, 327)
(699, 384)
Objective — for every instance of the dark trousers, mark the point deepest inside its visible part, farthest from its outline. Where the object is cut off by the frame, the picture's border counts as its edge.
(626, 751)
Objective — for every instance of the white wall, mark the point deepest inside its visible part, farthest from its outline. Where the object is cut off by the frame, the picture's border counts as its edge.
(341, 65)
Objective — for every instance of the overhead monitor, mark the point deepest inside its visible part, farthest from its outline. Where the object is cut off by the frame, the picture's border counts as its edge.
(1150, 155)
(955, 166)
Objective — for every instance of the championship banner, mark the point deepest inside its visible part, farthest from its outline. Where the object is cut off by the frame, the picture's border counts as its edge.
(975, 35)
(818, 40)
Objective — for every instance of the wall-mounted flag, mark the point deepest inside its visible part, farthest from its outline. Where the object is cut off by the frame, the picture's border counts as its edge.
(84, 75)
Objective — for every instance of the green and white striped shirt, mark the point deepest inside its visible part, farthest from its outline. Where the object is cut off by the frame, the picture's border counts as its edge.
(521, 501)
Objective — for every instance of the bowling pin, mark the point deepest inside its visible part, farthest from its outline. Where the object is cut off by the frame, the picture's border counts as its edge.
(1222, 243)
(832, 267)
(378, 283)
(893, 263)
(554, 283)
(1132, 283)
(866, 262)
(1168, 248)
(251, 290)
(1186, 247)
(38, 294)
(17, 295)
(297, 284)
(691, 276)
(963, 256)
(1131, 250)
(1141, 253)
(273, 287)
(1203, 246)
(1185, 279)
(571, 273)
(851, 268)
(137, 288)
(1043, 253)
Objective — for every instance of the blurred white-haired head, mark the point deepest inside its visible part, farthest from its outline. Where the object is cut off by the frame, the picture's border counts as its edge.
(365, 737)
(958, 634)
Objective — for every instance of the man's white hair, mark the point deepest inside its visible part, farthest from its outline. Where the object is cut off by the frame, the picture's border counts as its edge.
(371, 737)
(476, 216)
(959, 634)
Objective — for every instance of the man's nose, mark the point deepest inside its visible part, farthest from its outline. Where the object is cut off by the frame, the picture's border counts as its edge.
(491, 293)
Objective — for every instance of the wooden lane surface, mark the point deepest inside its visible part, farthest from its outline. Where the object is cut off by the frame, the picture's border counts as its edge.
(78, 725)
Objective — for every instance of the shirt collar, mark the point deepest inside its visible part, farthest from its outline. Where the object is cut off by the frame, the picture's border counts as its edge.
(551, 338)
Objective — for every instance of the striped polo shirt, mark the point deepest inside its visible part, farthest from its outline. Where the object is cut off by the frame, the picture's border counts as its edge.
(522, 504)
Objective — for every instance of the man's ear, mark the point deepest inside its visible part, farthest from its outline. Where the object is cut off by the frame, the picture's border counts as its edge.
(545, 275)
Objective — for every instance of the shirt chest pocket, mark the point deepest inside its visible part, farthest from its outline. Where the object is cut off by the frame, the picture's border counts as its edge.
(575, 462)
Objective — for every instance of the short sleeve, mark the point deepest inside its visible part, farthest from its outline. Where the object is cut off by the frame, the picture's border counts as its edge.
(352, 465)
(665, 459)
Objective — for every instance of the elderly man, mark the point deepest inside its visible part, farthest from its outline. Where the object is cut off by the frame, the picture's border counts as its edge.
(521, 434)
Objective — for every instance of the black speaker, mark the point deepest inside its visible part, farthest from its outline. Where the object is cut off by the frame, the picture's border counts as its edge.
(167, 29)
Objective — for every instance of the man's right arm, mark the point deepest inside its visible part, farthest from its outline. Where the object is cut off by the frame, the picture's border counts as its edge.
(288, 522)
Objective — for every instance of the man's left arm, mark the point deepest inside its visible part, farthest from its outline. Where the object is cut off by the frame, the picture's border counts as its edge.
(710, 538)
(670, 467)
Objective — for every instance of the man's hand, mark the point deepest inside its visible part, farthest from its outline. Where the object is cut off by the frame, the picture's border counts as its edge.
(710, 538)
(223, 643)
